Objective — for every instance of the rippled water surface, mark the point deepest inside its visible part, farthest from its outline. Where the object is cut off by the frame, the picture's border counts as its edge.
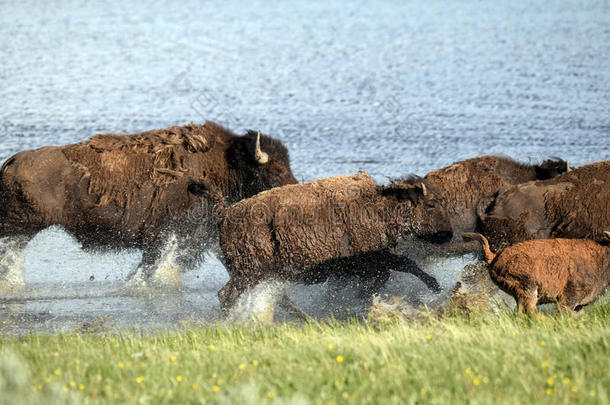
(390, 87)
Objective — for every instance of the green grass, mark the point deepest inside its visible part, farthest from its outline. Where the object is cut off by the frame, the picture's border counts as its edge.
(483, 359)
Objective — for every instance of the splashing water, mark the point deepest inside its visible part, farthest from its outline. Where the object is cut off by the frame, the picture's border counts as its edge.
(11, 273)
(258, 303)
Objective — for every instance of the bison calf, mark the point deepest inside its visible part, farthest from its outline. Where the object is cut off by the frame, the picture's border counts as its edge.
(570, 272)
(303, 233)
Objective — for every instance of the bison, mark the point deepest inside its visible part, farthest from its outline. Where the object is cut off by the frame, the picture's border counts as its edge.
(570, 272)
(303, 233)
(572, 205)
(461, 185)
(130, 191)
(458, 188)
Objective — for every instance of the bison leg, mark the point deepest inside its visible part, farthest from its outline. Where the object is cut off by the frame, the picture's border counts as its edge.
(406, 265)
(157, 267)
(230, 293)
(526, 302)
(11, 258)
(287, 305)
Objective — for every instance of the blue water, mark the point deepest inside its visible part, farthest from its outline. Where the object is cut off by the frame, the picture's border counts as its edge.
(389, 87)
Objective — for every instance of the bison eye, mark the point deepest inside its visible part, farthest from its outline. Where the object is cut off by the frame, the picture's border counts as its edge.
(430, 205)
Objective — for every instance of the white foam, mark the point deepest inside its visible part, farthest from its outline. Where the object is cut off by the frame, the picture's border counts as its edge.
(258, 303)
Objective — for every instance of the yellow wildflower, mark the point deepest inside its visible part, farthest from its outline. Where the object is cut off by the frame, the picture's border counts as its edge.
(107, 387)
(219, 382)
(255, 363)
(270, 395)
(477, 381)
(57, 372)
(172, 359)
(65, 388)
(485, 380)
(216, 388)
(242, 366)
(121, 365)
(337, 383)
(72, 384)
(211, 347)
(424, 390)
(139, 379)
(574, 389)
(179, 378)
(543, 343)
(47, 379)
(544, 364)
(592, 393)
(549, 391)
(81, 387)
(566, 380)
(550, 381)
(339, 359)
(468, 371)
(429, 337)
(330, 346)
(195, 386)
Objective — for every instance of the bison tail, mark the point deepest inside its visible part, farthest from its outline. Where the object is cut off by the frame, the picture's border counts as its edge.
(489, 255)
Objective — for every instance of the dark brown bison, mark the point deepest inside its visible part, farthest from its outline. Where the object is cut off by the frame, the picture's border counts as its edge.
(573, 205)
(130, 191)
(570, 272)
(461, 185)
(303, 233)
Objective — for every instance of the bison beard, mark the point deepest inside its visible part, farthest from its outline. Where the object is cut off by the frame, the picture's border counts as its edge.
(303, 233)
(129, 191)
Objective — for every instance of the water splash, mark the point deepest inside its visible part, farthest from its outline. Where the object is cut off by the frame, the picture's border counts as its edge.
(258, 303)
(11, 273)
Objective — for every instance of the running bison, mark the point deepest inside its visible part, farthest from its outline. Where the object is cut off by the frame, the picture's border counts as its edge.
(461, 185)
(130, 191)
(458, 188)
(570, 272)
(573, 205)
(302, 233)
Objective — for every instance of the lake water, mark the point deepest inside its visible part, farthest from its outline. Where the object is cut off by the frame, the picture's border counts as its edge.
(389, 87)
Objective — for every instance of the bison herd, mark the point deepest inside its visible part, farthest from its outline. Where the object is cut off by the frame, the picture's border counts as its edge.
(203, 187)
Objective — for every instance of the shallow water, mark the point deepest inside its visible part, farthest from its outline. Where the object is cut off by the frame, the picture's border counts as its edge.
(393, 88)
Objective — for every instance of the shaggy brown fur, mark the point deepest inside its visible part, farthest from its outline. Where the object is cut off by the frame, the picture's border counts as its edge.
(122, 191)
(302, 233)
(573, 205)
(461, 185)
(571, 272)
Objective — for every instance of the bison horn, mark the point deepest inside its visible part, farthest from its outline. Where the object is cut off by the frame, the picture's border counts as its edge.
(607, 234)
(260, 156)
(424, 189)
(568, 168)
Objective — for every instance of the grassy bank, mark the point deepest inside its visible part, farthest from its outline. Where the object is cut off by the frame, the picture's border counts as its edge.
(488, 359)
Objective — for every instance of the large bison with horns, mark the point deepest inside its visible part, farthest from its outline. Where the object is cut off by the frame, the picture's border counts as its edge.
(130, 191)
(573, 205)
(304, 233)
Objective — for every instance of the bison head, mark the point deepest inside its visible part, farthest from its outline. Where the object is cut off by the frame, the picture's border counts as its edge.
(259, 162)
(418, 211)
(551, 168)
